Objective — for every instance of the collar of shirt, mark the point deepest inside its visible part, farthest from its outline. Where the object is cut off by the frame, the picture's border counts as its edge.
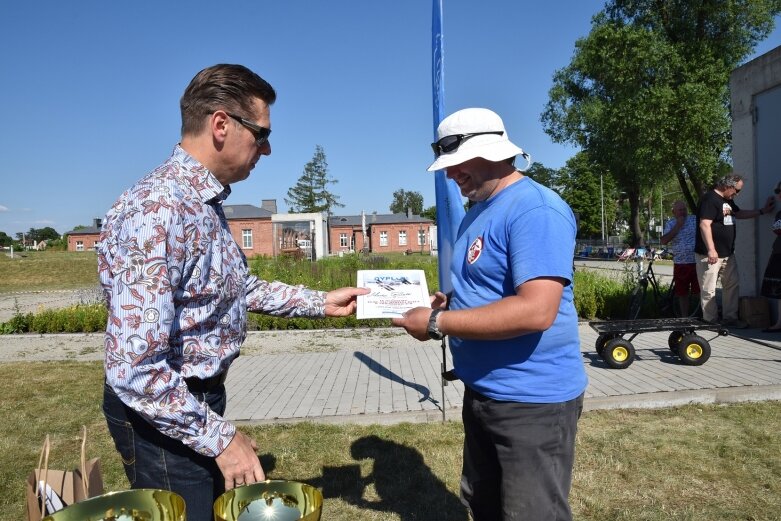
(208, 187)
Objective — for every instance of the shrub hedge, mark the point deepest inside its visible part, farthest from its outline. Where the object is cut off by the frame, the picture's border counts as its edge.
(596, 296)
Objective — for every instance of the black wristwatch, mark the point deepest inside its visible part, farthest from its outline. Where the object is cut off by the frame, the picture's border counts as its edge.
(432, 329)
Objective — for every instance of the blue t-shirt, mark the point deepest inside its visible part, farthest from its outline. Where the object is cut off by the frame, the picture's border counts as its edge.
(524, 232)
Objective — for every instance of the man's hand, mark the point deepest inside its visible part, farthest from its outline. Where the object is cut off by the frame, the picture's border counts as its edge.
(415, 322)
(343, 301)
(770, 204)
(713, 257)
(438, 300)
(238, 462)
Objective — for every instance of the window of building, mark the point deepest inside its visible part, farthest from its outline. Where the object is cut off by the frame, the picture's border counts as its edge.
(421, 237)
(79, 245)
(402, 238)
(343, 243)
(383, 238)
(246, 238)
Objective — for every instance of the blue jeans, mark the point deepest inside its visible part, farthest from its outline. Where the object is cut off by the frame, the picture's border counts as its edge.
(518, 458)
(153, 460)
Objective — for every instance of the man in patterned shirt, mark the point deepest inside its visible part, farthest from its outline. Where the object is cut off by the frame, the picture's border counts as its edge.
(178, 290)
(681, 231)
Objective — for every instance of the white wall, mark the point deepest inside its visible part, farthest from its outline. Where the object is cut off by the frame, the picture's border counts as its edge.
(756, 151)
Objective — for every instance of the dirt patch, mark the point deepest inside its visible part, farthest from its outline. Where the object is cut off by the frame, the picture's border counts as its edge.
(87, 347)
(36, 301)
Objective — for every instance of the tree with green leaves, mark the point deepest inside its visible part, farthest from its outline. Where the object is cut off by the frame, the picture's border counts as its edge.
(430, 213)
(586, 188)
(310, 193)
(5, 239)
(544, 175)
(38, 234)
(403, 200)
(646, 91)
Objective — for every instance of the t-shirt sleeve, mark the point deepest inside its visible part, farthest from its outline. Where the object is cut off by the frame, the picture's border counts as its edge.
(541, 244)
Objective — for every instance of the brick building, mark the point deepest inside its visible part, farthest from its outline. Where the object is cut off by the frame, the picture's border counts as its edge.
(251, 228)
(263, 231)
(380, 233)
(85, 238)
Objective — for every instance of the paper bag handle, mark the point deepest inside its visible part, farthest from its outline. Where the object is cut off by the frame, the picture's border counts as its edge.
(43, 473)
(84, 477)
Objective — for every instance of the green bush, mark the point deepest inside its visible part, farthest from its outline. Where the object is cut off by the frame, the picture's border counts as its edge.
(596, 296)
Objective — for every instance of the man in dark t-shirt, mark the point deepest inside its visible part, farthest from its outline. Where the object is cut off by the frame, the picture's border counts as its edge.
(715, 245)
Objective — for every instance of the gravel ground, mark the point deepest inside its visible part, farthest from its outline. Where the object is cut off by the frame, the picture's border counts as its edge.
(86, 347)
(34, 301)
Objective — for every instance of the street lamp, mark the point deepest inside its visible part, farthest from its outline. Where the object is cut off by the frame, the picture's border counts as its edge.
(602, 200)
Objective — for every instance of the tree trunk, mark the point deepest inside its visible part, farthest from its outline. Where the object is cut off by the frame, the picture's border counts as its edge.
(634, 219)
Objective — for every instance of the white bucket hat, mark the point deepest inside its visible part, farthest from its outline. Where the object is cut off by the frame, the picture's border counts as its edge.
(490, 142)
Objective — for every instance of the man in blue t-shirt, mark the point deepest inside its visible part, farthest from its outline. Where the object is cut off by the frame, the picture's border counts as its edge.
(512, 325)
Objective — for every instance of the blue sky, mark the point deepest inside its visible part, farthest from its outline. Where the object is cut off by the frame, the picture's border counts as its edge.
(91, 91)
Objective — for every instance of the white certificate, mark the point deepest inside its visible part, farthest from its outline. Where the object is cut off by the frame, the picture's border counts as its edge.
(393, 292)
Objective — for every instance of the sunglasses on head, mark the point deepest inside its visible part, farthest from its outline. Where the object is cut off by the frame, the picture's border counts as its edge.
(261, 133)
(451, 143)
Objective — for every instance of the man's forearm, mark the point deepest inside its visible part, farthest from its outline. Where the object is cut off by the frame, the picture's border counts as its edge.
(532, 310)
(707, 235)
(748, 214)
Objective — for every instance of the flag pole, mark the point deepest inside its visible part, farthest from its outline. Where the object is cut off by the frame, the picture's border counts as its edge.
(450, 209)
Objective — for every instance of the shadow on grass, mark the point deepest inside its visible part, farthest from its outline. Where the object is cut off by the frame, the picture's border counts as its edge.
(403, 483)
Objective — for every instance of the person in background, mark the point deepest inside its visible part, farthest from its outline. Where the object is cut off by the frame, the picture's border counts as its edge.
(771, 281)
(681, 231)
(715, 246)
(512, 324)
(178, 289)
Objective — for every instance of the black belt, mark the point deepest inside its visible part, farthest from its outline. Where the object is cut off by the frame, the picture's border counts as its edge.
(199, 385)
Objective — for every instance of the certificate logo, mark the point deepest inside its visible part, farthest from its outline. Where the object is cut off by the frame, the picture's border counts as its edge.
(474, 251)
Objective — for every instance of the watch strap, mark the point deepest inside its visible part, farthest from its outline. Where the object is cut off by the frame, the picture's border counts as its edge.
(432, 329)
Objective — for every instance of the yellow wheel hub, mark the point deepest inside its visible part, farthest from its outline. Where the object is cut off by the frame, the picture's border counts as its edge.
(694, 351)
(620, 354)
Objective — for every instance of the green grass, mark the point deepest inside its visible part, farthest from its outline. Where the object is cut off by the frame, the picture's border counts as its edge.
(691, 463)
(48, 270)
(595, 295)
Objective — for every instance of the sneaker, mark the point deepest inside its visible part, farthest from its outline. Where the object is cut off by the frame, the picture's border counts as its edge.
(735, 323)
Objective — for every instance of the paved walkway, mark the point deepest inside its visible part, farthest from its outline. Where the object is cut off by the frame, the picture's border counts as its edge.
(380, 384)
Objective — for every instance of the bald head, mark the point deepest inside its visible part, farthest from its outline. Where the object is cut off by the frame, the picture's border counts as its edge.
(680, 209)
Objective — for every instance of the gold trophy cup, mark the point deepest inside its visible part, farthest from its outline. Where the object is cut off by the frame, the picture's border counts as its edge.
(125, 505)
(277, 500)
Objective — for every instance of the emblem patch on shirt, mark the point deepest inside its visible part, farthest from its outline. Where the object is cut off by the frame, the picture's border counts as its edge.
(474, 251)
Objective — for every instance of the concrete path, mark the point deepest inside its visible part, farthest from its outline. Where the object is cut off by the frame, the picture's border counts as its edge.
(388, 385)
(384, 376)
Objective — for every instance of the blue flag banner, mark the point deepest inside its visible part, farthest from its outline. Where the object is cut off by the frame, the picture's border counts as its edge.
(450, 208)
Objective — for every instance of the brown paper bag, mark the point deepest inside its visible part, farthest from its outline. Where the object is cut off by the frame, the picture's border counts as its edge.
(49, 490)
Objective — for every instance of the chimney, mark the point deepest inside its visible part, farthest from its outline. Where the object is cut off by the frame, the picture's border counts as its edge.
(97, 223)
(269, 204)
(409, 212)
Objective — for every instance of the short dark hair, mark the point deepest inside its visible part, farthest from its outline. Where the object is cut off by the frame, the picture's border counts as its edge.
(729, 181)
(231, 88)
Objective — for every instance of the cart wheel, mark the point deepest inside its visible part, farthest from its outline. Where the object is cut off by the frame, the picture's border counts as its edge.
(619, 353)
(694, 350)
(674, 341)
(602, 340)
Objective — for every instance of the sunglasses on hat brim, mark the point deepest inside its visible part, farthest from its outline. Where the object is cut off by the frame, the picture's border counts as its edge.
(451, 143)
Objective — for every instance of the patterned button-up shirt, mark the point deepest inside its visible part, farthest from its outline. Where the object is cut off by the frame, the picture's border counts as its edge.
(683, 242)
(178, 289)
